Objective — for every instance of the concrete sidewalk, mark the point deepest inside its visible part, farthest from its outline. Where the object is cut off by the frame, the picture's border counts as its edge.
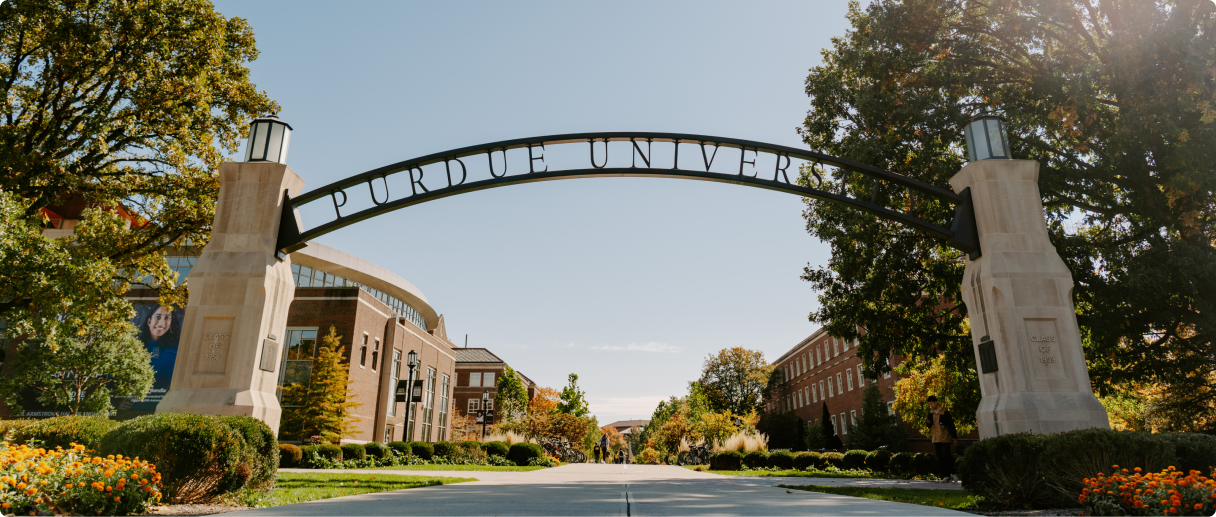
(588, 489)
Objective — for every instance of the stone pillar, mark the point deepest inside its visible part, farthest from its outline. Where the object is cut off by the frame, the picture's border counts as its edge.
(229, 354)
(1019, 297)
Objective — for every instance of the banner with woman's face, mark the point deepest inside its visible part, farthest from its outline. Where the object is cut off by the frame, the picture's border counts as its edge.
(160, 330)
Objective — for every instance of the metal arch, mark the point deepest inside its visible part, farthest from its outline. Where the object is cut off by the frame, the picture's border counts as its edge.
(961, 235)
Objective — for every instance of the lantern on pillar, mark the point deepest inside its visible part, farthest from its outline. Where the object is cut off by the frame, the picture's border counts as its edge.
(986, 138)
(268, 139)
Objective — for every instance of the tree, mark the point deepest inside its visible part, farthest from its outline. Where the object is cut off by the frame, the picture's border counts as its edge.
(876, 428)
(1115, 101)
(831, 440)
(87, 368)
(785, 430)
(573, 400)
(735, 378)
(325, 405)
(131, 107)
(536, 424)
(717, 427)
(511, 399)
(674, 430)
(956, 391)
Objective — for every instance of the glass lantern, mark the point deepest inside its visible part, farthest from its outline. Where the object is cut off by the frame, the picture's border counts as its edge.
(986, 138)
(268, 140)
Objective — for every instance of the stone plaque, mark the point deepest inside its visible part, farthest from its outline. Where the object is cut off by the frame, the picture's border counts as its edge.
(213, 353)
(270, 355)
(1045, 357)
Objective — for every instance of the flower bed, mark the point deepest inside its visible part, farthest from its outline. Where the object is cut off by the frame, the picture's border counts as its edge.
(62, 481)
(1169, 492)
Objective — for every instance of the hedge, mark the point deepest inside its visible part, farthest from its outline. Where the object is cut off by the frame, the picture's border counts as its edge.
(62, 431)
(471, 445)
(8, 427)
(199, 457)
(422, 450)
(900, 463)
(807, 459)
(1193, 451)
(924, 464)
(289, 456)
(1070, 457)
(755, 459)
(878, 460)
(353, 451)
(443, 448)
(325, 450)
(402, 448)
(726, 460)
(496, 448)
(375, 449)
(835, 459)
(262, 454)
(783, 460)
(522, 453)
(855, 459)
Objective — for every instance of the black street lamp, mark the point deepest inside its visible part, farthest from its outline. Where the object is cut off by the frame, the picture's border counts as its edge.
(486, 414)
(986, 138)
(412, 362)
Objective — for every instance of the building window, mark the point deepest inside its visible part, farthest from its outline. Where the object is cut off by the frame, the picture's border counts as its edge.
(375, 354)
(388, 433)
(394, 373)
(308, 277)
(822, 394)
(853, 417)
(819, 354)
(831, 389)
(844, 428)
(487, 379)
(474, 379)
(835, 428)
(850, 379)
(814, 393)
(474, 406)
(443, 408)
(835, 347)
(429, 398)
(806, 395)
(363, 352)
(861, 379)
(891, 408)
(839, 384)
(301, 347)
(800, 404)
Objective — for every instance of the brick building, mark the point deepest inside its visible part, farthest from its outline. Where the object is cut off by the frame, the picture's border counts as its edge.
(823, 369)
(477, 371)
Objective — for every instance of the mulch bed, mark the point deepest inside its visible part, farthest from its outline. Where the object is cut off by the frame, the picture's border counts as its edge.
(192, 509)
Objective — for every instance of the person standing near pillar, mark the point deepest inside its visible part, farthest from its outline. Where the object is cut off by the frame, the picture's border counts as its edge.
(604, 447)
(943, 435)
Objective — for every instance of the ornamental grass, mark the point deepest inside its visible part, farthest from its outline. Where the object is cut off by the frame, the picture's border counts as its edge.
(1169, 492)
(73, 481)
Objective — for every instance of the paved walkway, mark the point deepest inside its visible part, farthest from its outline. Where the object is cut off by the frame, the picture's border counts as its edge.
(588, 489)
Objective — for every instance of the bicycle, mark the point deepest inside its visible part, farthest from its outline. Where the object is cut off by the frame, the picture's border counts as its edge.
(695, 455)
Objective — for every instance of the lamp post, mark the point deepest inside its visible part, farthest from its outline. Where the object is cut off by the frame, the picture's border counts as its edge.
(485, 412)
(412, 362)
(986, 138)
(268, 140)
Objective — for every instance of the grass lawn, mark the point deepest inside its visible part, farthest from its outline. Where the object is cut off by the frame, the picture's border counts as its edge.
(781, 473)
(461, 467)
(298, 488)
(953, 499)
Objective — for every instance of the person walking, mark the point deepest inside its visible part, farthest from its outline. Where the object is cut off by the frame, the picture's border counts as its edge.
(943, 435)
(604, 446)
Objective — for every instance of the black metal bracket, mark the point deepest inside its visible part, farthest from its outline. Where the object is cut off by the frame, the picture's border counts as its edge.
(966, 237)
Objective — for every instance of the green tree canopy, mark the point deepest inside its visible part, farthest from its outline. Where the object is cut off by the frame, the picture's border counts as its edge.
(116, 102)
(81, 374)
(511, 399)
(735, 378)
(1116, 101)
(572, 400)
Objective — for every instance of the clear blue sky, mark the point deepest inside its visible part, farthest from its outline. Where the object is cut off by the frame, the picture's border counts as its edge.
(630, 283)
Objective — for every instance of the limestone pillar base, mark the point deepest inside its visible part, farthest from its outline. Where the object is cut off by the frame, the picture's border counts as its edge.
(1023, 322)
(229, 355)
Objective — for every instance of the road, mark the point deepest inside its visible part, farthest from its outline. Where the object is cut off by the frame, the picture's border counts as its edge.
(590, 489)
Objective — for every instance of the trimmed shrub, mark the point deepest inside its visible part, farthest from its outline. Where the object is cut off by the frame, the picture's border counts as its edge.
(878, 461)
(806, 459)
(835, 459)
(1071, 457)
(901, 463)
(262, 451)
(496, 448)
(783, 460)
(1004, 470)
(522, 453)
(1193, 451)
(375, 449)
(755, 459)
(725, 460)
(401, 448)
(924, 464)
(471, 445)
(328, 451)
(61, 431)
(289, 456)
(200, 457)
(855, 459)
(10, 427)
(353, 451)
(443, 448)
(423, 450)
